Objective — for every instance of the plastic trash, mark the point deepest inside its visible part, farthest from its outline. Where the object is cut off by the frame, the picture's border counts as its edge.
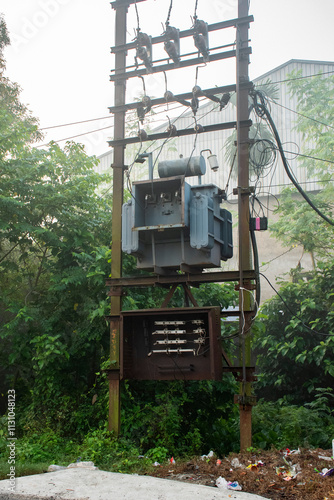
(235, 463)
(219, 462)
(234, 486)
(208, 456)
(229, 485)
(326, 472)
(54, 468)
(172, 461)
(156, 464)
(221, 482)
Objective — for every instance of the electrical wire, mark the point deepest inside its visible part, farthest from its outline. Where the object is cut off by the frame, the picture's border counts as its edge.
(292, 313)
(137, 14)
(195, 12)
(75, 123)
(282, 81)
(262, 111)
(298, 78)
(301, 114)
(75, 136)
(169, 12)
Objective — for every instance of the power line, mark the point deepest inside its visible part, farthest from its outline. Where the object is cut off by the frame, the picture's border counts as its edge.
(300, 114)
(75, 123)
(178, 106)
(75, 136)
(298, 78)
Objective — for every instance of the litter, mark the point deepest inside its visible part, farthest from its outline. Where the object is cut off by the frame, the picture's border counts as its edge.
(255, 466)
(172, 461)
(235, 463)
(234, 486)
(208, 456)
(229, 485)
(221, 482)
(326, 472)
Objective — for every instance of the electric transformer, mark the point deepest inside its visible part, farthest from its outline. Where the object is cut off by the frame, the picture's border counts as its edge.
(170, 224)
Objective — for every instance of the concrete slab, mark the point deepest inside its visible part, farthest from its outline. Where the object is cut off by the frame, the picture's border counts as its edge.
(84, 484)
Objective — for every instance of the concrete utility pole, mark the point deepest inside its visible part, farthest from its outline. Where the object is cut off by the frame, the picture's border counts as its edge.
(244, 239)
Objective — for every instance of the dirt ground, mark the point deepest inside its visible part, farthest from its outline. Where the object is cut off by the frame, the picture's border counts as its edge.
(288, 474)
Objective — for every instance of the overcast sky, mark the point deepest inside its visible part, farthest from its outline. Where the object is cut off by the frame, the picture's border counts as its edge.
(60, 52)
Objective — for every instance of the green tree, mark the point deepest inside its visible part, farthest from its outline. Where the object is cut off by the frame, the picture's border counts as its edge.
(295, 350)
(299, 223)
(55, 235)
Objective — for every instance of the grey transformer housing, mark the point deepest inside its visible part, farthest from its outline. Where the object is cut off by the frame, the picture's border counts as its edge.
(169, 224)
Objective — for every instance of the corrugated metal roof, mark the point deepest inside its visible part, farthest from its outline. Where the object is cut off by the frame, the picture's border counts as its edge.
(283, 115)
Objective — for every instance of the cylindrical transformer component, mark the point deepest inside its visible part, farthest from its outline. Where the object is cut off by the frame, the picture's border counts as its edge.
(213, 162)
(183, 166)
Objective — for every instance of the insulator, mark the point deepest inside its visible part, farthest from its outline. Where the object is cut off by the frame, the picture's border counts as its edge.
(200, 44)
(198, 128)
(146, 100)
(201, 38)
(213, 162)
(224, 100)
(194, 104)
(201, 27)
(144, 49)
(169, 96)
(142, 134)
(172, 130)
(141, 113)
(197, 90)
(171, 50)
(143, 55)
(172, 43)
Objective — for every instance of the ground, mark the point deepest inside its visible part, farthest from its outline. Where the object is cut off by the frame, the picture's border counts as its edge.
(288, 474)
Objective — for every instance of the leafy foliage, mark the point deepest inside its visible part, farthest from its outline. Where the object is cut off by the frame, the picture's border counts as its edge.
(298, 223)
(297, 349)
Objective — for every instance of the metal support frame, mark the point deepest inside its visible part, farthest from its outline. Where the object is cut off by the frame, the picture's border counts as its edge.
(179, 133)
(245, 274)
(244, 237)
(114, 422)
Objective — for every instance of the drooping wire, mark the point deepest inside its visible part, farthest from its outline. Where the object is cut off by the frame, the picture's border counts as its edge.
(259, 103)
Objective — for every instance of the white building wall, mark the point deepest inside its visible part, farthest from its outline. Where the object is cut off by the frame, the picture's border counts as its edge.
(278, 262)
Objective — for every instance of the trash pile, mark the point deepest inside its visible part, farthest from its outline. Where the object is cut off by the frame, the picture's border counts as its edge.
(274, 474)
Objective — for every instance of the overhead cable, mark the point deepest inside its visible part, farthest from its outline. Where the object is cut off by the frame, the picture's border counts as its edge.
(262, 111)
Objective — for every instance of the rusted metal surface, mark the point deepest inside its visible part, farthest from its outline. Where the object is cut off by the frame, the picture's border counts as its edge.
(228, 54)
(179, 354)
(116, 246)
(243, 229)
(162, 100)
(179, 133)
(170, 279)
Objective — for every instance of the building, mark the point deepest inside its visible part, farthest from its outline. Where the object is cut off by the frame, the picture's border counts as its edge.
(275, 260)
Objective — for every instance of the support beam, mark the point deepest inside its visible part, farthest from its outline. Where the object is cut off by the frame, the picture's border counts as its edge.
(170, 279)
(179, 133)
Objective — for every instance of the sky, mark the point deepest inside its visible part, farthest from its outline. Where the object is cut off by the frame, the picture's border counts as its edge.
(60, 53)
